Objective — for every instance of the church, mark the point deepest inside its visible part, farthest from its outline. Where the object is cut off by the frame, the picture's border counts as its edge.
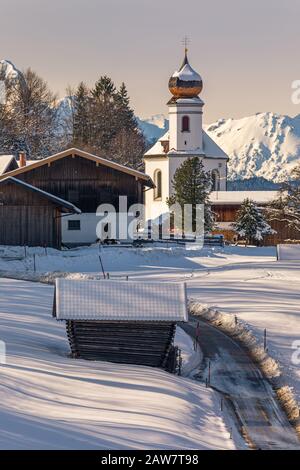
(185, 138)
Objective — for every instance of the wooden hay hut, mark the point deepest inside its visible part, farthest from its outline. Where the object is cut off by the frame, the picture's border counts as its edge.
(121, 321)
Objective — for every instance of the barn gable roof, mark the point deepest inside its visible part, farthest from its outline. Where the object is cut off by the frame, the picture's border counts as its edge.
(124, 301)
(72, 152)
(66, 205)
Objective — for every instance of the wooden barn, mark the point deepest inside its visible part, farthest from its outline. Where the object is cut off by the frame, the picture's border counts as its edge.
(121, 321)
(85, 181)
(30, 216)
(225, 204)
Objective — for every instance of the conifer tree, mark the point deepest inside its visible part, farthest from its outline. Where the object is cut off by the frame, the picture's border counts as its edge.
(192, 185)
(81, 104)
(251, 224)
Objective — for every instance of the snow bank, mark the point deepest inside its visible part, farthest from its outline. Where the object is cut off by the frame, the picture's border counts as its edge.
(191, 359)
(288, 252)
(239, 331)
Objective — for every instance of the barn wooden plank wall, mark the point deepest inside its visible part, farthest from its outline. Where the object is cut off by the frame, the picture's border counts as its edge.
(27, 219)
(144, 343)
(83, 183)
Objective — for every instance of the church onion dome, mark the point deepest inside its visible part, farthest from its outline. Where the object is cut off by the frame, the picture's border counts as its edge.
(186, 82)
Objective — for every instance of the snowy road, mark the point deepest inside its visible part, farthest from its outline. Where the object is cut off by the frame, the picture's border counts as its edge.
(236, 376)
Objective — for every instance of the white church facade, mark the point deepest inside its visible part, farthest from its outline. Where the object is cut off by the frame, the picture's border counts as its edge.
(185, 138)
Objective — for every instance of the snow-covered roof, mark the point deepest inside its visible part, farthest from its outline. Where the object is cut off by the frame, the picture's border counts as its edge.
(5, 161)
(57, 200)
(77, 152)
(237, 197)
(187, 73)
(210, 148)
(109, 300)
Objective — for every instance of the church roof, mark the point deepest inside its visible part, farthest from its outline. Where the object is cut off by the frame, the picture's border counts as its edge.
(210, 148)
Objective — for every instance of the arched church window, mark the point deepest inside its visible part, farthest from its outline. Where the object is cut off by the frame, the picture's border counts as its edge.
(185, 124)
(215, 176)
(158, 184)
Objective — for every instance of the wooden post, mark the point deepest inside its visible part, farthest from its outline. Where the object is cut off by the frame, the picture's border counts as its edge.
(265, 339)
(101, 266)
(107, 275)
(222, 404)
(209, 372)
(34, 263)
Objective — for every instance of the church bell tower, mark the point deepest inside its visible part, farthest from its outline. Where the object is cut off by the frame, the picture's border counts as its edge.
(185, 111)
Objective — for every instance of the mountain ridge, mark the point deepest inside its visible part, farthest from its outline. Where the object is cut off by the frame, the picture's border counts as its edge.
(263, 145)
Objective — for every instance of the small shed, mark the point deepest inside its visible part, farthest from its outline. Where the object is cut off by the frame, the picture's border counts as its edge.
(30, 216)
(121, 321)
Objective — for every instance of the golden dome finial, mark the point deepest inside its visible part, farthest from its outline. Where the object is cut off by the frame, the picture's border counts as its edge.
(186, 82)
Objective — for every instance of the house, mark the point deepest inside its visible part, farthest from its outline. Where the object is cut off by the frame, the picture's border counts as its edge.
(121, 321)
(185, 138)
(84, 181)
(29, 215)
(226, 204)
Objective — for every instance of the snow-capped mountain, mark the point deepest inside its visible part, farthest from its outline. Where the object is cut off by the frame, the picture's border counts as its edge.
(265, 145)
(10, 74)
(153, 127)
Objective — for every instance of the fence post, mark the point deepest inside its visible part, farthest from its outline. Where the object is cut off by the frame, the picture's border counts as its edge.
(265, 339)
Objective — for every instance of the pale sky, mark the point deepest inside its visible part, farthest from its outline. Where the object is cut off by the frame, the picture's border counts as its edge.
(247, 52)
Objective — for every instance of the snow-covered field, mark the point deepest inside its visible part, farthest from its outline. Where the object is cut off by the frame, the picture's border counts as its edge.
(48, 400)
(248, 282)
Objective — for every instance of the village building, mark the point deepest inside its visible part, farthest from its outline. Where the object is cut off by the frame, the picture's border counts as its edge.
(185, 138)
(77, 178)
(31, 216)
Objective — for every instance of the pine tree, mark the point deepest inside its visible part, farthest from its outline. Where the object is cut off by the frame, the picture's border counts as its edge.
(81, 118)
(251, 224)
(103, 114)
(192, 185)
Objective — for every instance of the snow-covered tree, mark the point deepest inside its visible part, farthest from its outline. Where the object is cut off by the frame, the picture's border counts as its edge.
(286, 208)
(28, 116)
(251, 223)
(192, 185)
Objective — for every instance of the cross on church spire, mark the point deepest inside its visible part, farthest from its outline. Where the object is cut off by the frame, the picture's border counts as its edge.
(185, 42)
